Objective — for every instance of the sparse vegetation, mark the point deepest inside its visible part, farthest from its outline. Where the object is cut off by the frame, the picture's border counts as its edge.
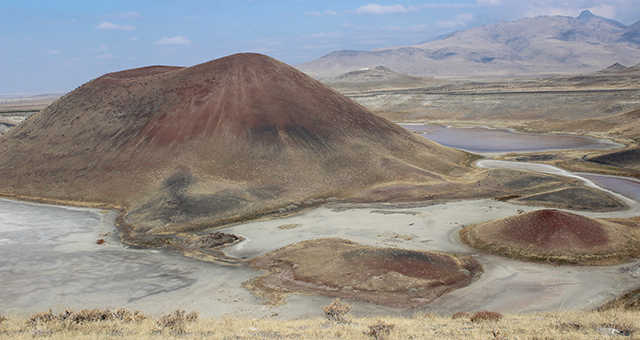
(485, 315)
(336, 311)
(174, 322)
(84, 316)
(578, 325)
(380, 330)
(459, 315)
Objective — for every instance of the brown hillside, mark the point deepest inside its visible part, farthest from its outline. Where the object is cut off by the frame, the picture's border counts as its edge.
(226, 139)
(554, 235)
(627, 159)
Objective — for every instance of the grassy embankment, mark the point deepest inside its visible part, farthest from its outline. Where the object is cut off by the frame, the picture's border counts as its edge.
(338, 324)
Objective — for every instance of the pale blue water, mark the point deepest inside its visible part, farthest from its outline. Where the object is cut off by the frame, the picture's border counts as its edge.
(485, 140)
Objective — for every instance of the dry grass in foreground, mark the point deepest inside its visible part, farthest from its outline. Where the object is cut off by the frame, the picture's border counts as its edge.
(122, 324)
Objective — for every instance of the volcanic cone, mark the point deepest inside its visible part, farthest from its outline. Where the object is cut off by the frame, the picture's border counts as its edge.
(221, 141)
(553, 235)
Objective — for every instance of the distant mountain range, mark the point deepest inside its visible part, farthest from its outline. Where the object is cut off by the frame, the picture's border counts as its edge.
(540, 45)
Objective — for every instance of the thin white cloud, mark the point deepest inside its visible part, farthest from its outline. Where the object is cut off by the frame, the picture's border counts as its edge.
(461, 20)
(101, 48)
(105, 56)
(134, 39)
(379, 9)
(179, 40)
(436, 6)
(465, 17)
(130, 15)
(414, 28)
(488, 2)
(55, 52)
(537, 11)
(321, 14)
(446, 24)
(603, 10)
(111, 26)
(324, 35)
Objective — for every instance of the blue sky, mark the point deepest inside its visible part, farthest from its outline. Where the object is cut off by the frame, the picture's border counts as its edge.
(56, 46)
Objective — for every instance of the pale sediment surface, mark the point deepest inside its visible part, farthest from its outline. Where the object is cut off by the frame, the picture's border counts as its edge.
(506, 285)
(50, 259)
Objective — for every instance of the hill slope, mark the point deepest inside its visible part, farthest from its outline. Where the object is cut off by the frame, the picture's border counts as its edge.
(545, 44)
(223, 140)
(375, 78)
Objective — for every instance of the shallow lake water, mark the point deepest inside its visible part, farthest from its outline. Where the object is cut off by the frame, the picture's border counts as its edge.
(50, 258)
(495, 141)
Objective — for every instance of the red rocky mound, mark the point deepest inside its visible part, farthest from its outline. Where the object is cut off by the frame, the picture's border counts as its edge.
(222, 141)
(554, 229)
(553, 235)
(341, 268)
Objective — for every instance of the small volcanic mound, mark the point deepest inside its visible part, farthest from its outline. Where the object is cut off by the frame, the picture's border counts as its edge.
(379, 77)
(340, 268)
(555, 236)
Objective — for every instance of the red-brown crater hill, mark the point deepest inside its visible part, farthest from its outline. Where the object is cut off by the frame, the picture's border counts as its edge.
(555, 236)
(226, 140)
(341, 268)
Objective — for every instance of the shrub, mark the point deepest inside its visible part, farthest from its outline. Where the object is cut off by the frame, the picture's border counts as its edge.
(41, 318)
(460, 315)
(380, 330)
(175, 321)
(86, 315)
(336, 310)
(485, 315)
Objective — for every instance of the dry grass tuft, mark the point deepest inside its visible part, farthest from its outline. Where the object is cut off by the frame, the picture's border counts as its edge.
(336, 311)
(85, 315)
(460, 315)
(380, 330)
(485, 315)
(574, 325)
(175, 321)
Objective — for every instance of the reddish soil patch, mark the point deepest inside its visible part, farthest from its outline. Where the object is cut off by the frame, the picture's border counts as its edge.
(554, 235)
(387, 276)
(554, 229)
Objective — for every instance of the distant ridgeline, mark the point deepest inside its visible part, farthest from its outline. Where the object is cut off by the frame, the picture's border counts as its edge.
(540, 45)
